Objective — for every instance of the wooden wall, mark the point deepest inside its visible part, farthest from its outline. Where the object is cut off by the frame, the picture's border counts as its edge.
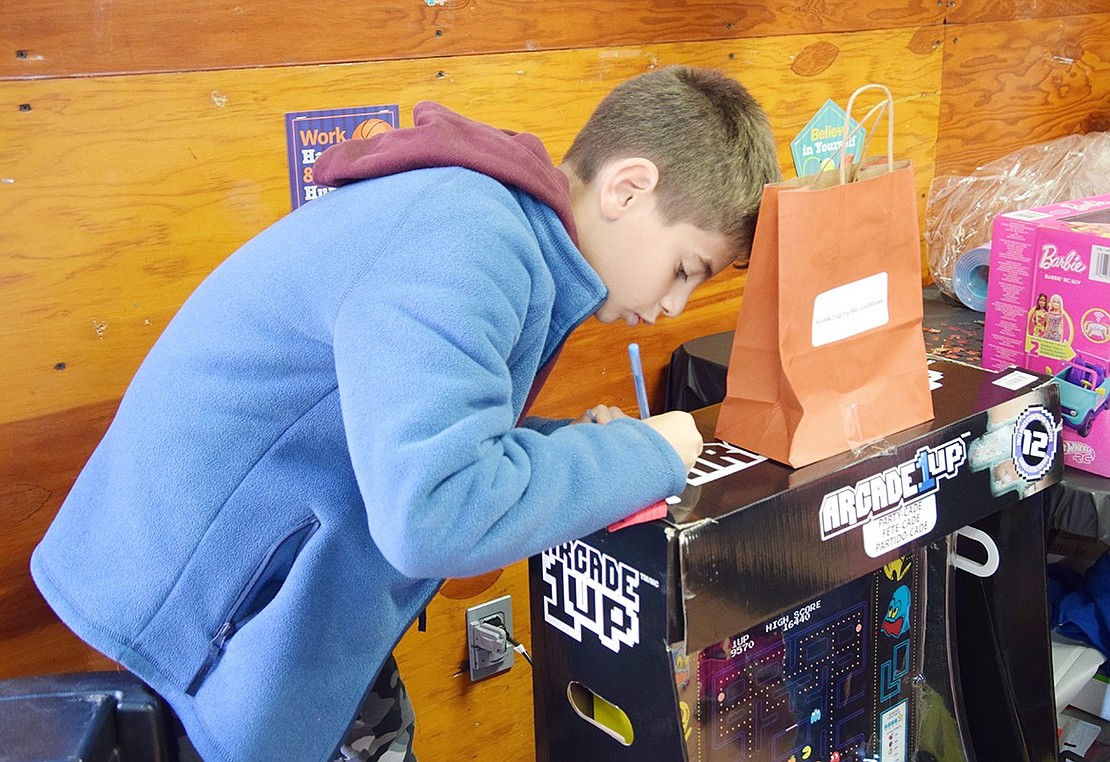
(143, 142)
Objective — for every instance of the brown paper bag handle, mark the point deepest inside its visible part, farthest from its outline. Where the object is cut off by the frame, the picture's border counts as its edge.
(877, 112)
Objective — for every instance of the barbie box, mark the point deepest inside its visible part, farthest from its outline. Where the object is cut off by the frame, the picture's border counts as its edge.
(1048, 310)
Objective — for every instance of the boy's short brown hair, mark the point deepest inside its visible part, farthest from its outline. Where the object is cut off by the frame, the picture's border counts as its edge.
(709, 138)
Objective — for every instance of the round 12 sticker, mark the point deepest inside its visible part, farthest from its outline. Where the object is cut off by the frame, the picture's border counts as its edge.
(1034, 448)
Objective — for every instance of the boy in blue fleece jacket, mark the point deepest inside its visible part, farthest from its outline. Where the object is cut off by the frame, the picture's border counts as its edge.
(335, 421)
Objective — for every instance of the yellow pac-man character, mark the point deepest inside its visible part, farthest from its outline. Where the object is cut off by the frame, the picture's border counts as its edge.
(898, 568)
(684, 711)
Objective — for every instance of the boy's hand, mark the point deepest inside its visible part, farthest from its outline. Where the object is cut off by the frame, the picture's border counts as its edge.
(678, 428)
(600, 414)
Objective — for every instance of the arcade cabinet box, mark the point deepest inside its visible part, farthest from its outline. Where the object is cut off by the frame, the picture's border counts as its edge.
(777, 614)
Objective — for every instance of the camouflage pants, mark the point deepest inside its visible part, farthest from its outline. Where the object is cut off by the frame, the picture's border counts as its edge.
(382, 730)
(384, 726)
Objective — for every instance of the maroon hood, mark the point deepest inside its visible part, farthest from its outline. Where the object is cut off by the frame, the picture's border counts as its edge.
(442, 138)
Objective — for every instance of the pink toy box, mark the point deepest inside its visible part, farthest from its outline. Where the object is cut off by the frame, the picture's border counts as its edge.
(1048, 310)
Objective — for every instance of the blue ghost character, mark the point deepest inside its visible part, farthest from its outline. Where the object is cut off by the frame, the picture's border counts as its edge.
(897, 621)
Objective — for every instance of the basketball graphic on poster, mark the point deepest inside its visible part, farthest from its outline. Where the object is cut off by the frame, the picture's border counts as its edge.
(370, 128)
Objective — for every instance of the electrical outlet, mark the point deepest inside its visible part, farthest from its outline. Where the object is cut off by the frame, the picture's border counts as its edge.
(489, 652)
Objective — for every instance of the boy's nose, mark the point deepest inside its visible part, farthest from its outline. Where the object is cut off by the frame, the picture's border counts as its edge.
(673, 304)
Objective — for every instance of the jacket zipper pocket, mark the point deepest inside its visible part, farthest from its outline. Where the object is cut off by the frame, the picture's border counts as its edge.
(259, 591)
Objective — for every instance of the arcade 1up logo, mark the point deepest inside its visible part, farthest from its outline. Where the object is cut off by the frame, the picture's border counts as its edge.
(887, 493)
(899, 504)
(588, 590)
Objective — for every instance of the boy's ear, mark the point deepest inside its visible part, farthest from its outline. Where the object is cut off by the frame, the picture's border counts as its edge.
(623, 183)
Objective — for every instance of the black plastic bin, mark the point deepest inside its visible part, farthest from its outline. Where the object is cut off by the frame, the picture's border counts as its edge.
(88, 717)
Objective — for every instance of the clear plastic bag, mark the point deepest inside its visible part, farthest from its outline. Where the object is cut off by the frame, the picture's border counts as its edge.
(960, 209)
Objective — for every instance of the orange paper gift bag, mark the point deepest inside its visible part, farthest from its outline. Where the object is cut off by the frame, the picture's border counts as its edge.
(828, 354)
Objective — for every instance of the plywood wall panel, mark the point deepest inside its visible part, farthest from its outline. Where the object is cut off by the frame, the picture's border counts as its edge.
(121, 193)
(1012, 83)
(39, 459)
(77, 37)
(975, 11)
(457, 719)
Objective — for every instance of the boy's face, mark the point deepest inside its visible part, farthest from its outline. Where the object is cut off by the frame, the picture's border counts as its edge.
(650, 268)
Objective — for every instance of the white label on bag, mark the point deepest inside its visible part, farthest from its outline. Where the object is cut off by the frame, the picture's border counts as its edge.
(850, 309)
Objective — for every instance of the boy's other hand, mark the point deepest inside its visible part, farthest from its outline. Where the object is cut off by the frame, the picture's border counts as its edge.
(678, 428)
(600, 414)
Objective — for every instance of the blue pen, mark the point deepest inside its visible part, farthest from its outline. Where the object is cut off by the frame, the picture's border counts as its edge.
(638, 380)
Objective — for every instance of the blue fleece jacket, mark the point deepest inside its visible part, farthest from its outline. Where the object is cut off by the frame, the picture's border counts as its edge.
(327, 429)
